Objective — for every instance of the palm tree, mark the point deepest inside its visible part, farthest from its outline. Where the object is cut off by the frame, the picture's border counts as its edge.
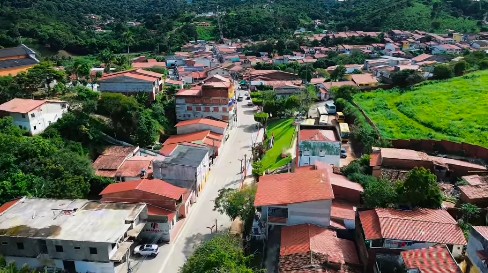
(129, 39)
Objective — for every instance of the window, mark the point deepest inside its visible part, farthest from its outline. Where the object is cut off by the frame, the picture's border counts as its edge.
(33, 115)
(20, 245)
(58, 248)
(199, 108)
(224, 109)
(207, 109)
(23, 115)
(77, 247)
(189, 108)
(93, 250)
(34, 127)
(216, 109)
(63, 105)
(4, 243)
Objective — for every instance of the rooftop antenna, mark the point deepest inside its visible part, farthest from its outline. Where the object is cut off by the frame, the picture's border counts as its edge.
(220, 25)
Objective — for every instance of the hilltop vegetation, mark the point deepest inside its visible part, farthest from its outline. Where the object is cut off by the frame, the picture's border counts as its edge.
(166, 25)
(454, 110)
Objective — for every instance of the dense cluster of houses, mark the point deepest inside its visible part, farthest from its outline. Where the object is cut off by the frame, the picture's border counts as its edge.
(313, 221)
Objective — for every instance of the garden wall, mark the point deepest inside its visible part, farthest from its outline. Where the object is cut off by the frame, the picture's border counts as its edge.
(442, 146)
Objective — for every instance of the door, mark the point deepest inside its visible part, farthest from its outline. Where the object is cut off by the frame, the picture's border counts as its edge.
(69, 266)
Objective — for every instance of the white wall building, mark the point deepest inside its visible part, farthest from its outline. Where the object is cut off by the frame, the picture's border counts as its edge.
(34, 115)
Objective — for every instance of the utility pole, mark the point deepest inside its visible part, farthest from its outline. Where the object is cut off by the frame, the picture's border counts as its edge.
(216, 226)
(241, 164)
(220, 25)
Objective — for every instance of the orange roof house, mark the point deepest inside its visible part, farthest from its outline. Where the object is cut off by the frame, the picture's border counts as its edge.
(433, 259)
(308, 246)
(422, 225)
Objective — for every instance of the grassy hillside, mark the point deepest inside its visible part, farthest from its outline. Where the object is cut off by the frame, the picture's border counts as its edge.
(455, 110)
(206, 33)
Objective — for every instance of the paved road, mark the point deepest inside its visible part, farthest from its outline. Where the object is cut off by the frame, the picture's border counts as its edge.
(225, 173)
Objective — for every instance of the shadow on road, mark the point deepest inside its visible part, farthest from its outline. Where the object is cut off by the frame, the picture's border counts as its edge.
(232, 183)
(191, 243)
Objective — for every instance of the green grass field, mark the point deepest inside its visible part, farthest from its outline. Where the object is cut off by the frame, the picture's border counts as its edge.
(455, 110)
(283, 131)
(205, 33)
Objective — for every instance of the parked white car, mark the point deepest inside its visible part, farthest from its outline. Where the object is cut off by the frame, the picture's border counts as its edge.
(147, 250)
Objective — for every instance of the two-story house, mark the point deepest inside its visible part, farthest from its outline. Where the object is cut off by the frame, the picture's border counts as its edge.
(33, 115)
(166, 204)
(477, 250)
(71, 235)
(381, 232)
(295, 198)
(318, 143)
(186, 166)
(133, 82)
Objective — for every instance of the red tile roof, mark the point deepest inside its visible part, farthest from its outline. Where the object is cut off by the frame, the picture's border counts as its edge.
(189, 92)
(338, 180)
(191, 137)
(108, 162)
(375, 160)
(475, 191)
(290, 188)
(149, 64)
(205, 121)
(22, 106)
(312, 135)
(167, 150)
(342, 210)
(8, 205)
(133, 168)
(482, 230)
(119, 150)
(433, 259)
(310, 238)
(154, 210)
(155, 186)
(422, 225)
(135, 74)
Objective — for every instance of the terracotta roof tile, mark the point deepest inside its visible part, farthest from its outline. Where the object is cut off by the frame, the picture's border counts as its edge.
(205, 121)
(342, 210)
(119, 150)
(482, 230)
(363, 78)
(375, 160)
(312, 135)
(168, 149)
(433, 259)
(475, 191)
(108, 162)
(310, 238)
(155, 186)
(133, 168)
(8, 205)
(22, 106)
(290, 188)
(191, 137)
(338, 180)
(422, 225)
(154, 210)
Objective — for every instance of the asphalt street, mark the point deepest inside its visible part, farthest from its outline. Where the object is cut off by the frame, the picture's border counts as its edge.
(224, 173)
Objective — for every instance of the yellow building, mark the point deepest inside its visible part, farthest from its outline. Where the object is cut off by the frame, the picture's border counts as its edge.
(457, 37)
(16, 59)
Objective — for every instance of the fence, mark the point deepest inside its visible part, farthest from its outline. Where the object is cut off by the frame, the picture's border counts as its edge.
(442, 146)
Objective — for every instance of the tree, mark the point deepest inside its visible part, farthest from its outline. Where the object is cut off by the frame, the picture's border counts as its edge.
(442, 71)
(469, 211)
(146, 132)
(261, 117)
(484, 64)
(257, 102)
(223, 253)
(257, 169)
(106, 57)
(236, 203)
(129, 39)
(420, 190)
(407, 77)
(345, 92)
(379, 193)
(338, 73)
(460, 67)
(323, 72)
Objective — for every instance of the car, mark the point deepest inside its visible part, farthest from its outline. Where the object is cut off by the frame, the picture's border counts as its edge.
(248, 97)
(240, 98)
(249, 103)
(343, 153)
(147, 250)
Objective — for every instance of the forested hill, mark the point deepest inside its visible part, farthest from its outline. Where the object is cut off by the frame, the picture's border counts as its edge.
(165, 25)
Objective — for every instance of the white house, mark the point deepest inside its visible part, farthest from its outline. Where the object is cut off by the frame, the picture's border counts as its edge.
(289, 199)
(34, 115)
(321, 144)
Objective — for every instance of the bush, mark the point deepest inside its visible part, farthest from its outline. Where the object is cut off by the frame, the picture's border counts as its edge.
(256, 95)
(484, 64)
(442, 72)
(258, 102)
(261, 117)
